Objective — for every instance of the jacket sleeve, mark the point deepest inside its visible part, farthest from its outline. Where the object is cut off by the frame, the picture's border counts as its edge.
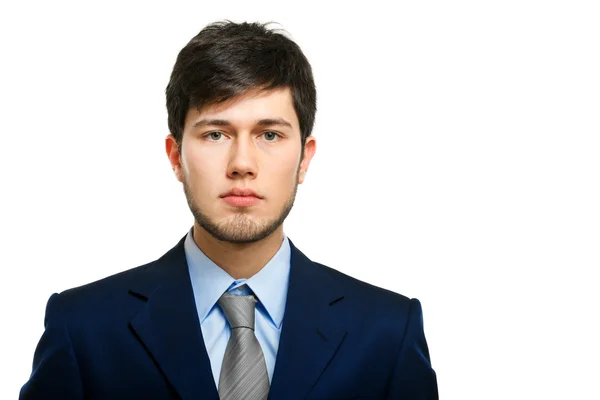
(55, 373)
(413, 378)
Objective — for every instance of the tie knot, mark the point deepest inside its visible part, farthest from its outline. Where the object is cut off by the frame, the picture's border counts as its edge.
(239, 310)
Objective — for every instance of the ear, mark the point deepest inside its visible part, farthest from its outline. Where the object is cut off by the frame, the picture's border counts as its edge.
(310, 147)
(174, 156)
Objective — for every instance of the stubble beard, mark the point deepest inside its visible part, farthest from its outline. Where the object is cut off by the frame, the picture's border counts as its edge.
(241, 228)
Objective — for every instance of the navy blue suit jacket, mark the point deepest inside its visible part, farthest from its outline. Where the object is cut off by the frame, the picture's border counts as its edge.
(136, 335)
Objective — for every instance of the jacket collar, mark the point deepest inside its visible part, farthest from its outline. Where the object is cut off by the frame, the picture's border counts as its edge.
(314, 324)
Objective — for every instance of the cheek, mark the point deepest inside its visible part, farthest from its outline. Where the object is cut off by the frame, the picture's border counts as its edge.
(286, 178)
(201, 175)
(197, 163)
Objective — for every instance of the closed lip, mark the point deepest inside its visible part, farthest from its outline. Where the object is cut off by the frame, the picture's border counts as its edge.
(241, 192)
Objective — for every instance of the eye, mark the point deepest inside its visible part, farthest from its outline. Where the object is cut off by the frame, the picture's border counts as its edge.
(212, 134)
(216, 135)
(274, 134)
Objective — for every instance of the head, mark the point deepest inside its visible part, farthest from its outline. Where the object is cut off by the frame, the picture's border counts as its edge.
(241, 105)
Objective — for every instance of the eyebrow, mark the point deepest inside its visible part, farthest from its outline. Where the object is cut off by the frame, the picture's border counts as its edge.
(260, 122)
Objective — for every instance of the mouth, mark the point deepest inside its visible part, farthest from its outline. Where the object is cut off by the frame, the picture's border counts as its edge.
(241, 201)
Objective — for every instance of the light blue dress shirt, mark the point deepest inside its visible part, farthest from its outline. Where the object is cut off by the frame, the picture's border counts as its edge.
(209, 282)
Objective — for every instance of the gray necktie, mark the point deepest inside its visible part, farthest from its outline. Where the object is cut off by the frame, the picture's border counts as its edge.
(244, 371)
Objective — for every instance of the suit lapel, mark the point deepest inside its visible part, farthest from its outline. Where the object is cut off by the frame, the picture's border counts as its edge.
(314, 325)
(168, 326)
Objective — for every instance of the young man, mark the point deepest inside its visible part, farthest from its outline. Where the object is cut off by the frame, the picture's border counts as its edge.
(234, 310)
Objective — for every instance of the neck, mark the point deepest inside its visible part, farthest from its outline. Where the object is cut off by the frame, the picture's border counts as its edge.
(240, 260)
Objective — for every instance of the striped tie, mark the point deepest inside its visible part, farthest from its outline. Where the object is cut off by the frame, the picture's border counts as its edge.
(244, 371)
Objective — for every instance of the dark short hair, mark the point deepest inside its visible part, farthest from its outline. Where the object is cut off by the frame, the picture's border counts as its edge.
(226, 59)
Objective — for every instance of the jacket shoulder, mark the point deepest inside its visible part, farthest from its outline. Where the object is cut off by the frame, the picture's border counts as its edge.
(111, 283)
(369, 294)
(84, 304)
(376, 311)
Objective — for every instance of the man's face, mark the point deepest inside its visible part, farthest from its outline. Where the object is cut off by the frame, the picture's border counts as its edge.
(224, 147)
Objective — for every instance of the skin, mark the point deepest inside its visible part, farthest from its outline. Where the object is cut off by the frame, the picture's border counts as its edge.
(216, 158)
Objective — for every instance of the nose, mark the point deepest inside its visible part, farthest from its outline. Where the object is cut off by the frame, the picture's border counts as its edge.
(243, 159)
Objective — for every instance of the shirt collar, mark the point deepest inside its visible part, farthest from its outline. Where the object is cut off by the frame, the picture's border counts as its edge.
(209, 281)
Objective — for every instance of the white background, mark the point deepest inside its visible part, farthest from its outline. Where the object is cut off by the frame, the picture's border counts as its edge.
(457, 162)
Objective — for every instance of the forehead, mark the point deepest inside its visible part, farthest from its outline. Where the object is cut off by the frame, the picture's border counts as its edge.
(249, 107)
